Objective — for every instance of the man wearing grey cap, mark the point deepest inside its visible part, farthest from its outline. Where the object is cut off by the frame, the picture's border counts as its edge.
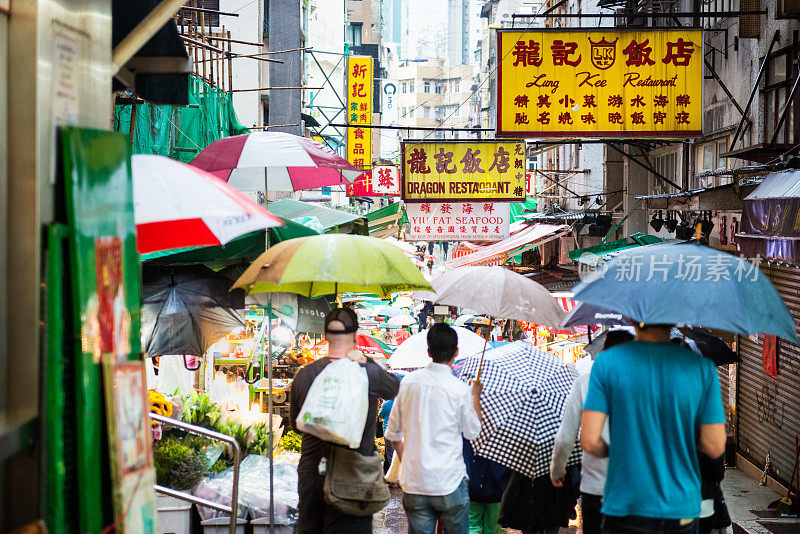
(315, 516)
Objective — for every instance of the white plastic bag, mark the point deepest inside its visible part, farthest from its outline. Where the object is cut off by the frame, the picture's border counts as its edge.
(336, 405)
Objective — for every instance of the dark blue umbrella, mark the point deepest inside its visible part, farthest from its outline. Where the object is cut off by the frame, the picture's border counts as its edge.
(589, 314)
(692, 285)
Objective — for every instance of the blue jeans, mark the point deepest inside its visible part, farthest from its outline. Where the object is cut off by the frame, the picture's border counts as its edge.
(648, 525)
(452, 511)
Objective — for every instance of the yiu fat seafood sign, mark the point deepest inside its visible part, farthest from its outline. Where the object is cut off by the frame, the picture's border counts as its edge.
(459, 171)
(600, 83)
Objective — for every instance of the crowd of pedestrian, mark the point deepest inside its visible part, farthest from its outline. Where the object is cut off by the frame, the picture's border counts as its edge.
(651, 426)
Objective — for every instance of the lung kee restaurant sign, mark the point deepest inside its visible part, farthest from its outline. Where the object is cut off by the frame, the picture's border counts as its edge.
(600, 83)
(458, 221)
(456, 171)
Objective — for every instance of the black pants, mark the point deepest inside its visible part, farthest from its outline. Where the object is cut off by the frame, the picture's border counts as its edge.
(590, 507)
(316, 517)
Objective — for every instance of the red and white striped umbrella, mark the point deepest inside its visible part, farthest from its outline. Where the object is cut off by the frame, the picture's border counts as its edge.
(177, 205)
(275, 161)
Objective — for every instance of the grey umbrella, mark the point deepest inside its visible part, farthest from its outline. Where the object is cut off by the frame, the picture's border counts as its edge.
(187, 309)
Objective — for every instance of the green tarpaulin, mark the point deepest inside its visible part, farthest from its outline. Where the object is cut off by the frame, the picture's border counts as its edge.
(518, 209)
(180, 132)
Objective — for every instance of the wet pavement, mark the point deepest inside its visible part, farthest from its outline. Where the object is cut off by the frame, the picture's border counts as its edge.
(392, 519)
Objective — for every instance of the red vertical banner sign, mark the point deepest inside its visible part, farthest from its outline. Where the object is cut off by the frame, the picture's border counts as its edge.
(769, 355)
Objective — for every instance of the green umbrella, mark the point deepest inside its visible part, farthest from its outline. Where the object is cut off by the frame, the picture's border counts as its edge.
(332, 263)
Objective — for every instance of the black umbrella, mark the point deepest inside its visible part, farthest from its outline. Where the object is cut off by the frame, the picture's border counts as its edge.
(703, 342)
(301, 314)
(187, 309)
(699, 340)
(589, 314)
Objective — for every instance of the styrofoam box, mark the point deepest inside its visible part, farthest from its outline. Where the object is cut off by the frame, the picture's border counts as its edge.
(222, 525)
(174, 515)
(261, 526)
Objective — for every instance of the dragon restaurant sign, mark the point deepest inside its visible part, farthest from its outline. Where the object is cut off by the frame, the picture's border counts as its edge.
(463, 171)
(600, 83)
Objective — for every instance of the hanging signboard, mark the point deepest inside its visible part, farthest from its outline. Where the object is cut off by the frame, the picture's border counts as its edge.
(600, 83)
(458, 221)
(105, 276)
(462, 171)
(381, 181)
(359, 110)
(390, 144)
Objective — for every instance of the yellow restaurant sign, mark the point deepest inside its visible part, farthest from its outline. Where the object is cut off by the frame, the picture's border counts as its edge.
(600, 83)
(458, 171)
(359, 110)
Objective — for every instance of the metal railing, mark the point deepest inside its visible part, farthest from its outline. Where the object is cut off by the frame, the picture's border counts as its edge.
(237, 456)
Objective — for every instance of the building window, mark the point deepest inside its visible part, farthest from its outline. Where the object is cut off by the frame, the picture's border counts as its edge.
(402, 112)
(439, 88)
(426, 111)
(667, 166)
(412, 86)
(404, 87)
(456, 87)
(426, 87)
(354, 33)
(411, 112)
(782, 69)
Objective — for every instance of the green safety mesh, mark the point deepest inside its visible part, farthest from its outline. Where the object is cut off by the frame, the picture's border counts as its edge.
(180, 132)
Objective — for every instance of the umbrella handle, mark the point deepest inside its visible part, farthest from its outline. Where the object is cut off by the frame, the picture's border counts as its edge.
(485, 342)
(247, 373)
(186, 365)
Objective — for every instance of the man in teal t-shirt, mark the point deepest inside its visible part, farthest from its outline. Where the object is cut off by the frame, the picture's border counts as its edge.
(664, 404)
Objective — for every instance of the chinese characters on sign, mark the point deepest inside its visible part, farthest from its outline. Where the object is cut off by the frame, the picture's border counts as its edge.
(359, 110)
(461, 171)
(600, 83)
(381, 181)
(458, 221)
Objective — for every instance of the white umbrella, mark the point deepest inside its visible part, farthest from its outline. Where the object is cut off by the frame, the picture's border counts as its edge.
(177, 205)
(413, 352)
(401, 320)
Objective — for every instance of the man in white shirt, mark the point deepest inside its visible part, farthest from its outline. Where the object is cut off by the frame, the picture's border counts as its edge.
(430, 414)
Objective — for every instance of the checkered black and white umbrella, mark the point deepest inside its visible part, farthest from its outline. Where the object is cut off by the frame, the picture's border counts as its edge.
(524, 390)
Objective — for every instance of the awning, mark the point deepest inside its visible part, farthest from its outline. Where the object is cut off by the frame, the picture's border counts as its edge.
(328, 218)
(520, 210)
(385, 221)
(594, 254)
(522, 241)
(770, 227)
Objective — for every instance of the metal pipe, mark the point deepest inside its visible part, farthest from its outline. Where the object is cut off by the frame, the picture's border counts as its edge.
(761, 71)
(789, 103)
(270, 437)
(144, 31)
(646, 167)
(724, 87)
(206, 10)
(636, 14)
(237, 457)
(422, 128)
(271, 88)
